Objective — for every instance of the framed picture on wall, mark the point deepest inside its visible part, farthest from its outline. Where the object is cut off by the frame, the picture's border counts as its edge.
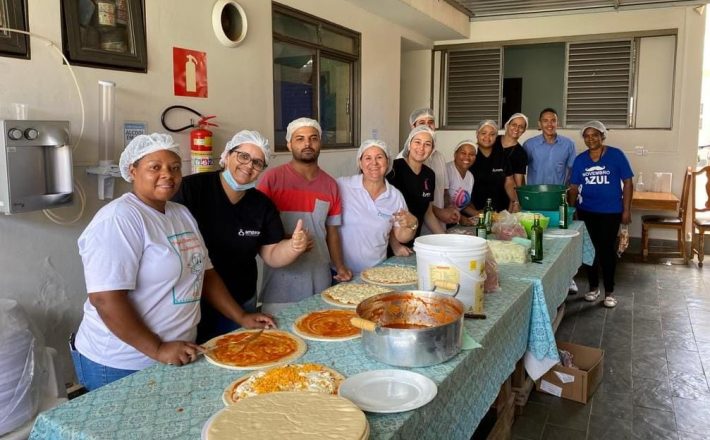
(13, 15)
(108, 34)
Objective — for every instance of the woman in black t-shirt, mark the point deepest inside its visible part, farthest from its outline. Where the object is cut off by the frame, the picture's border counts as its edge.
(416, 182)
(238, 222)
(514, 152)
(492, 175)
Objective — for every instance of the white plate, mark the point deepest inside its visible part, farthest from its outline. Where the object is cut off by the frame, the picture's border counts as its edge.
(206, 426)
(388, 391)
(560, 233)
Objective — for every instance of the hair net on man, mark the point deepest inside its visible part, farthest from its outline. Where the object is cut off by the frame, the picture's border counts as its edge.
(420, 113)
(246, 137)
(470, 142)
(515, 116)
(597, 125)
(143, 145)
(488, 122)
(374, 143)
(300, 123)
(415, 131)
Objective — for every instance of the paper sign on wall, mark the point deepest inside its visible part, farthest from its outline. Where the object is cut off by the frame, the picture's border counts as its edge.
(189, 72)
(131, 130)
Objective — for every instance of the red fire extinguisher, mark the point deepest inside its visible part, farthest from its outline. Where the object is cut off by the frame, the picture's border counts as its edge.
(201, 146)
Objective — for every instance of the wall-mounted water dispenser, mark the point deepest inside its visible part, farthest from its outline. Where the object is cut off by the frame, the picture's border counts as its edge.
(35, 165)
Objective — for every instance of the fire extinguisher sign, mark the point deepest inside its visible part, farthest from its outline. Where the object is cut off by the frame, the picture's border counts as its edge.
(189, 72)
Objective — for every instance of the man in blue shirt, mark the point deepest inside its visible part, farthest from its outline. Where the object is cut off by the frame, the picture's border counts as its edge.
(550, 158)
(550, 155)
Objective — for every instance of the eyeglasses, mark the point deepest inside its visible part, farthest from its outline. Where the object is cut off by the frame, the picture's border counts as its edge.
(244, 158)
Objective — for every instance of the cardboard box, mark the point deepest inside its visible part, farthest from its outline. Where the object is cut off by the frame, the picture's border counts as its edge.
(571, 383)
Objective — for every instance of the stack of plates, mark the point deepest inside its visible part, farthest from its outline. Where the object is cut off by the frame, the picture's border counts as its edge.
(17, 367)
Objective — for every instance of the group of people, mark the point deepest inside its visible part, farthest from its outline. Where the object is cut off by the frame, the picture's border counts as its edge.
(172, 263)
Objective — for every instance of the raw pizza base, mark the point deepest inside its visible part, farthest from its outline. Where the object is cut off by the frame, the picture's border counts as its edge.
(390, 275)
(304, 333)
(350, 294)
(228, 394)
(289, 415)
(257, 345)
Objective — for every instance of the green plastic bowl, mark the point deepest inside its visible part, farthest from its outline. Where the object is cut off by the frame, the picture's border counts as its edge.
(527, 221)
(540, 197)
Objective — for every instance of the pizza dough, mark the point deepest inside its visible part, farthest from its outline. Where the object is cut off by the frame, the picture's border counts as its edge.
(314, 378)
(247, 350)
(289, 415)
(327, 325)
(351, 294)
(390, 275)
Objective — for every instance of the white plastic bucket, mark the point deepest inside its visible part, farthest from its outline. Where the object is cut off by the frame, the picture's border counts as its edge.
(452, 259)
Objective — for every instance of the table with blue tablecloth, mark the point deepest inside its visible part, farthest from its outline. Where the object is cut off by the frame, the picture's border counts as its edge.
(164, 402)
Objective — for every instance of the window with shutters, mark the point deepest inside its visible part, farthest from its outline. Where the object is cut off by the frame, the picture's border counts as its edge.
(583, 79)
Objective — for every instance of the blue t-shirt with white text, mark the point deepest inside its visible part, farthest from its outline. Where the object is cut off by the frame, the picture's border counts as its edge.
(600, 182)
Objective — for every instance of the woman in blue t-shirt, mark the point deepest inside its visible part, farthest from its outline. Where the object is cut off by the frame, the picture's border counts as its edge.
(601, 187)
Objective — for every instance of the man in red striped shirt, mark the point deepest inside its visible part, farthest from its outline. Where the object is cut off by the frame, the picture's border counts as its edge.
(301, 190)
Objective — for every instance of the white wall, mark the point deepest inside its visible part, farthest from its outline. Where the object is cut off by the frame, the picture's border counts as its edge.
(668, 149)
(41, 266)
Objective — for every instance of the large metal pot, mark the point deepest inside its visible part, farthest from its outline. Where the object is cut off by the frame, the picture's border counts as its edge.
(411, 329)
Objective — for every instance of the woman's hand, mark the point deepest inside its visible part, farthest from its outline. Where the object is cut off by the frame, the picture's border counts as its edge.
(468, 221)
(405, 219)
(177, 352)
(301, 241)
(400, 250)
(257, 320)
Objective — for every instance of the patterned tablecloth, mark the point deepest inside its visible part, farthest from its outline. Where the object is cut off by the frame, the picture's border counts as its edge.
(164, 402)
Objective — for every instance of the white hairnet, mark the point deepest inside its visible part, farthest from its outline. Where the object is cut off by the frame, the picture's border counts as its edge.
(414, 132)
(597, 125)
(420, 112)
(374, 143)
(246, 137)
(489, 122)
(299, 123)
(470, 142)
(517, 115)
(143, 145)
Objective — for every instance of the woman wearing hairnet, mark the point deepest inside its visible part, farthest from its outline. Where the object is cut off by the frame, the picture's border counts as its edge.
(461, 181)
(146, 268)
(492, 174)
(372, 209)
(238, 222)
(417, 182)
(601, 187)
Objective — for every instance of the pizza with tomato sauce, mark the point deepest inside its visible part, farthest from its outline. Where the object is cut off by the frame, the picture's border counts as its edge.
(327, 325)
(254, 349)
(313, 378)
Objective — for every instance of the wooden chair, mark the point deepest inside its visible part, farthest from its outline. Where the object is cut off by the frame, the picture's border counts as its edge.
(700, 212)
(676, 222)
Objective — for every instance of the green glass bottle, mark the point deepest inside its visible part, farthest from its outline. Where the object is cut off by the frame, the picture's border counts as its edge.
(536, 240)
(564, 209)
(481, 227)
(488, 215)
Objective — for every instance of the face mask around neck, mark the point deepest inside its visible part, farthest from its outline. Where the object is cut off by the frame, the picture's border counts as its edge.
(233, 183)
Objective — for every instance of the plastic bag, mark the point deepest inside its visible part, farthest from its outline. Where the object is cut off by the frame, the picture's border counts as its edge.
(491, 283)
(623, 239)
(507, 226)
(21, 364)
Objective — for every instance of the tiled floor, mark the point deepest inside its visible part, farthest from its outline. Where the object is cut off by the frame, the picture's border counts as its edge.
(656, 365)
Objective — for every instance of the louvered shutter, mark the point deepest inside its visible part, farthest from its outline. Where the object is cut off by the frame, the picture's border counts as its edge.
(598, 81)
(473, 87)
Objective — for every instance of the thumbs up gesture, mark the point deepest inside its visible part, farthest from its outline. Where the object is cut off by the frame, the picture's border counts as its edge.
(301, 241)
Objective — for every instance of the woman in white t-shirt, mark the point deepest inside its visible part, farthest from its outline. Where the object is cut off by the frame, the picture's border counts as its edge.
(373, 209)
(461, 181)
(145, 263)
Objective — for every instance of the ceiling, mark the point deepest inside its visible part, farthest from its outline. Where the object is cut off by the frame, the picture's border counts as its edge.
(488, 9)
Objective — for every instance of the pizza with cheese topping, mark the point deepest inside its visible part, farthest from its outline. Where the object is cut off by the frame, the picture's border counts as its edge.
(315, 378)
(253, 349)
(327, 325)
(390, 275)
(350, 294)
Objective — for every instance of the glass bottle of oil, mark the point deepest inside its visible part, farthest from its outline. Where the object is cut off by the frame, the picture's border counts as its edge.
(536, 240)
